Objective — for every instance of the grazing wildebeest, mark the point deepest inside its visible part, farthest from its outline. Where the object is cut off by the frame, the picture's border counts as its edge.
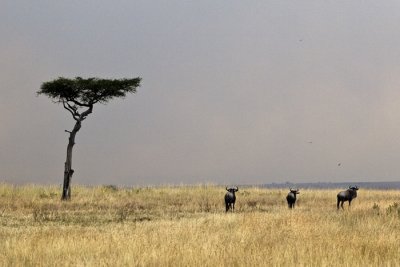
(347, 195)
(291, 197)
(230, 198)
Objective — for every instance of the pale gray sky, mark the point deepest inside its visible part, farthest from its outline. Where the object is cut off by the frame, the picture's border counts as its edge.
(232, 91)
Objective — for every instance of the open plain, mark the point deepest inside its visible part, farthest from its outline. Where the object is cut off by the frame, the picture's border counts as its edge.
(188, 226)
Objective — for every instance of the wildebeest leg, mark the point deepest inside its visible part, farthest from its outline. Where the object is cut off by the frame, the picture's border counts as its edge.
(233, 207)
(342, 205)
(349, 203)
(227, 207)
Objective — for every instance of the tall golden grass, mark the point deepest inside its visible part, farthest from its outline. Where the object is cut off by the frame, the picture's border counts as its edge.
(188, 226)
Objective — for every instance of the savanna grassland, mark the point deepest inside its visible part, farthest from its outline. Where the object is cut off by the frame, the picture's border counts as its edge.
(188, 226)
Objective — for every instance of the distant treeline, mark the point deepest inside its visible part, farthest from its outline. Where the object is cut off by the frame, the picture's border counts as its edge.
(324, 185)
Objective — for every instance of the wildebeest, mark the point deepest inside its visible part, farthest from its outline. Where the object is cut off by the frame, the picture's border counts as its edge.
(230, 198)
(347, 195)
(291, 197)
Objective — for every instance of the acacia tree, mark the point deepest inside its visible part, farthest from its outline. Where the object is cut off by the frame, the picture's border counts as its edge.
(78, 96)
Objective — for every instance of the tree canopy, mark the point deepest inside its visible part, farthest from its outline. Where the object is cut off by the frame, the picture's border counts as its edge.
(84, 93)
(88, 91)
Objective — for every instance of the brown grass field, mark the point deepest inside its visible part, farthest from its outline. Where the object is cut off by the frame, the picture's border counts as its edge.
(188, 226)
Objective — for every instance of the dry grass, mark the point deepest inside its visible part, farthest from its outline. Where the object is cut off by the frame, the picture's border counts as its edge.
(187, 226)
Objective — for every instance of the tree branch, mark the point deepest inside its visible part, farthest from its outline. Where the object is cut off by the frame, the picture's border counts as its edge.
(86, 113)
(76, 102)
(71, 109)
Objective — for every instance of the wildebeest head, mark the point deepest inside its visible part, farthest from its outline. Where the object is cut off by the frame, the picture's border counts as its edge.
(294, 191)
(355, 188)
(232, 189)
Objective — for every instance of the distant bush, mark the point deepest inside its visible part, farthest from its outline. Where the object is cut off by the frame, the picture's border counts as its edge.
(110, 187)
(393, 209)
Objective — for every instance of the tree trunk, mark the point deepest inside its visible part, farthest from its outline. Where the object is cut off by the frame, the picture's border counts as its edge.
(68, 171)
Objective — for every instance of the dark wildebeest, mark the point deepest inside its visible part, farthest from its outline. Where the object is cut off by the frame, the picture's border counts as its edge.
(291, 197)
(347, 195)
(230, 198)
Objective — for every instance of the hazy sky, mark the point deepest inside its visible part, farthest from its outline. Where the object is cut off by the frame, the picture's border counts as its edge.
(232, 91)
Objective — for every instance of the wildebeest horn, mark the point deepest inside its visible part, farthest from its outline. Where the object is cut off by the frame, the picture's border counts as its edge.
(237, 188)
(226, 189)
